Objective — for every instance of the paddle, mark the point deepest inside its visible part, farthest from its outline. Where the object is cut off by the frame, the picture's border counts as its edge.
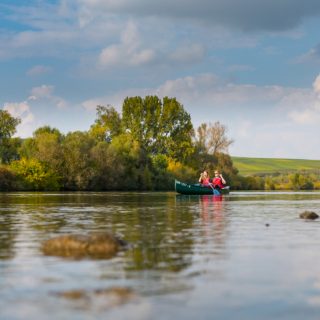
(214, 190)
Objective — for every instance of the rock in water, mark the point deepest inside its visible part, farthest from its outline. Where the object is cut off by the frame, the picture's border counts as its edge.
(93, 245)
(100, 299)
(309, 215)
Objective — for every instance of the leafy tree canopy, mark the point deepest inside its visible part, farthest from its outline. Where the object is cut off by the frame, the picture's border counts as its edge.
(8, 124)
(107, 125)
(160, 126)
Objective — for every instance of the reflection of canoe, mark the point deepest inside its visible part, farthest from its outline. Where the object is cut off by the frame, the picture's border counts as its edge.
(186, 188)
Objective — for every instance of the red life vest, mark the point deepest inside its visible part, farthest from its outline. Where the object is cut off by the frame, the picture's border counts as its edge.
(205, 181)
(217, 182)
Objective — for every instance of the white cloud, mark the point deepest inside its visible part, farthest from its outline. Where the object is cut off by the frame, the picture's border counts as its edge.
(207, 89)
(310, 57)
(308, 111)
(80, 29)
(45, 92)
(188, 53)
(38, 70)
(55, 30)
(22, 110)
(261, 16)
(114, 100)
(40, 97)
(129, 52)
(316, 85)
(307, 116)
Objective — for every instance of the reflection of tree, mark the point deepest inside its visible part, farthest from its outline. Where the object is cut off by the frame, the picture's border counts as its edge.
(164, 241)
(8, 230)
(42, 221)
(159, 231)
(8, 233)
(42, 211)
(213, 218)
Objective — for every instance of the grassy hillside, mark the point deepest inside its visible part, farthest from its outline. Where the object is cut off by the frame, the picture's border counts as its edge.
(260, 166)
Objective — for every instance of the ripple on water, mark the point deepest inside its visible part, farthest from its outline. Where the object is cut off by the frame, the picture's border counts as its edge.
(190, 256)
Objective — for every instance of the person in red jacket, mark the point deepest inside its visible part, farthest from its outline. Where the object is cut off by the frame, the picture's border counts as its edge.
(204, 178)
(218, 181)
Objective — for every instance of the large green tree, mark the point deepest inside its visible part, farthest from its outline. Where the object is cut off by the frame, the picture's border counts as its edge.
(107, 124)
(8, 125)
(160, 126)
(78, 167)
(47, 147)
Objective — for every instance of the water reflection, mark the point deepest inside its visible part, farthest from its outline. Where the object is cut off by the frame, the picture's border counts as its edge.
(163, 239)
(207, 256)
(214, 221)
(8, 233)
(161, 232)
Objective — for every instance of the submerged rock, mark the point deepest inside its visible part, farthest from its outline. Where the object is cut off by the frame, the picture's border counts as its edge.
(309, 215)
(98, 299)
(93, 245)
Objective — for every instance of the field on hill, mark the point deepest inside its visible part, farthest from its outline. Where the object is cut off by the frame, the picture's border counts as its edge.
(264, 166)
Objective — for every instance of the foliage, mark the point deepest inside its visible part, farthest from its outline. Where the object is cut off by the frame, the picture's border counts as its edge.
(133, 160)
(7, 179)
(107, 125)
(28, 148)
(105, 167)
(47, 147)
(161, 127)
(77, 168)
(8, 126)
(182, 172)
(145, 148)
(291, 181)
(34, 175)
(212, 138)
(9, 149)
(161, 178)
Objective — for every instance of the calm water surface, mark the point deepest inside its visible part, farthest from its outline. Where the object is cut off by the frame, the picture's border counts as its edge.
(191, 257)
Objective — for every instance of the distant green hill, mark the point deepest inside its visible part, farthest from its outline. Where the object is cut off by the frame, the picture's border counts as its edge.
(262, 166)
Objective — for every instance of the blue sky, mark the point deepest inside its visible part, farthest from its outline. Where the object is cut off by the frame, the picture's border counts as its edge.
(253, 65)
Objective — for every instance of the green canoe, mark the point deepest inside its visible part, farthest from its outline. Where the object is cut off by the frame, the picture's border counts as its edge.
(185, 188)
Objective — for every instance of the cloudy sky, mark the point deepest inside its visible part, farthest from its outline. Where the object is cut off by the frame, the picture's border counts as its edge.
(253, 65)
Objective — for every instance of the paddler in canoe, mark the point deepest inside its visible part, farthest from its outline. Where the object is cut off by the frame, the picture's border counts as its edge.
(204, 179)
(218, 182)
(205, 186)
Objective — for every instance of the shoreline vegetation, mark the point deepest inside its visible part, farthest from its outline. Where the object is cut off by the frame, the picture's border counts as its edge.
(279, 173)
(147, 146)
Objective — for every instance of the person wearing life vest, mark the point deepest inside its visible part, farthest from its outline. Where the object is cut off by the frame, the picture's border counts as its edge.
(218, 181)
(204, 178)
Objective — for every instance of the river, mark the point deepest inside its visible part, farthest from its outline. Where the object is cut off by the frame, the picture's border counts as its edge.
(246, 255)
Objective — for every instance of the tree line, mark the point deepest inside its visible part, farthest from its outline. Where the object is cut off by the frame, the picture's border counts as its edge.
(145, 147)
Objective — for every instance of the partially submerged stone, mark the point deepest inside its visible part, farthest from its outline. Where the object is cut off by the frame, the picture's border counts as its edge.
(309, 215)
(120, 292)
(93, 245)
(99, 299)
